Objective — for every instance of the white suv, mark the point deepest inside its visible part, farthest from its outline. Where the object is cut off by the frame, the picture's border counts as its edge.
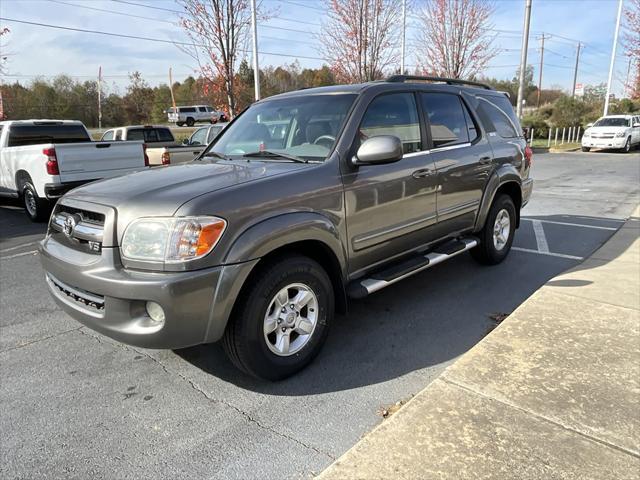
(621, 132)
(194, 113)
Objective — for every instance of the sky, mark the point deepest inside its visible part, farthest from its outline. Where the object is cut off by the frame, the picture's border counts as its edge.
(290, 34)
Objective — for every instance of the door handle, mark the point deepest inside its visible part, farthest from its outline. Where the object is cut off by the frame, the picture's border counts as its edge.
(484, 160)
(422, 173)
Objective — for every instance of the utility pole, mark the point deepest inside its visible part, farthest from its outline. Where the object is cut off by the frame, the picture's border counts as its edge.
(523, 56)
(256, 69)
(541, 66)
(575, 72)
(613, 58)
(100, 98)
(404, 31)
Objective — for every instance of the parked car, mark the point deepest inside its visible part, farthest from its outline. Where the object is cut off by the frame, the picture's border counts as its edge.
(620, 132)
(151, 135)
(194, 113)
(189, 149)
(260, 239)
(42, 159)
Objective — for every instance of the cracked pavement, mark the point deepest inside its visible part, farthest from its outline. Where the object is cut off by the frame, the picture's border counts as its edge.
(74, 403)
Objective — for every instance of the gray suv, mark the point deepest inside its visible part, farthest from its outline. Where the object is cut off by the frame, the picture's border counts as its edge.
(305, 200)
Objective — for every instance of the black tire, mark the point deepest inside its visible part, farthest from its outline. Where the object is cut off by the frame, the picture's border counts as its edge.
(36, 208)
(487, 253)
(180, 124)
(627, 146)
(586, 149)
(244, 341)
(190, 122)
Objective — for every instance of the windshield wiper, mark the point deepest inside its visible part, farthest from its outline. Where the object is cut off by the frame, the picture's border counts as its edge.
(272, 154)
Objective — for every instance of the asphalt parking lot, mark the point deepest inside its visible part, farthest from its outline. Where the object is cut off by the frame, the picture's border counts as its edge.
(76, 404)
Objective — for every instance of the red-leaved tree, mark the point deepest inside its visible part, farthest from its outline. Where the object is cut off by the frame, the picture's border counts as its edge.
(218, 30)
(359, 38)
(632, 45)
(454, 38)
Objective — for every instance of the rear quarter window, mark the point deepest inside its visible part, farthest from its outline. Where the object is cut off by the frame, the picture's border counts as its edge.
(22, 135)
(498, 115)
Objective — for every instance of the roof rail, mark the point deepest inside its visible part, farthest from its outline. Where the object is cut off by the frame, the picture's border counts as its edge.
(448, 81)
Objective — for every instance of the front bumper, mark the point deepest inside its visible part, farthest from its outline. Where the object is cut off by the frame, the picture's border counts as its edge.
(604, 143)
(54, 191)
(98, 292)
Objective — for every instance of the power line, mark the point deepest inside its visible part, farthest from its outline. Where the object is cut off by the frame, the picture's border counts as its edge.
(75, 5)
(147, 6)
(148, 39)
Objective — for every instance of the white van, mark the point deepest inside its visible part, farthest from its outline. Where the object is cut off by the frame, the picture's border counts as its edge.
(194, 113)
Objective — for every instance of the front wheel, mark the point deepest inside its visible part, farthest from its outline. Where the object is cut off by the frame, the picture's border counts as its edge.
(282, 318)
(586, 149)
(37, 208)
(180, 124)
(190, 122)
(496, 236)
(627, 146)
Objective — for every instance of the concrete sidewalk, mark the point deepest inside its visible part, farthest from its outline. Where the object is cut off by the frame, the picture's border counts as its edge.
(552, 393)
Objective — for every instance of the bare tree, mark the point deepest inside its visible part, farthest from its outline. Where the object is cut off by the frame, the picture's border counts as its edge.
(359, 38)
(218, 30)
(632, 44)
(455, 38)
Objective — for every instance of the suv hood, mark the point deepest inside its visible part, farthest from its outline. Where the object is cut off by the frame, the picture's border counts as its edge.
(613, 130)
(162, 190)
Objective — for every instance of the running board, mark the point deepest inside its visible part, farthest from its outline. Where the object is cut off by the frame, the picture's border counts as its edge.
(399, 271)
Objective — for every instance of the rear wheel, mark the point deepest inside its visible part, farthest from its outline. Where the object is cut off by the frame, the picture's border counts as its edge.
(190, 122)
(37, 208)
(282, 319)
(180, 124)
(585, 149)
(496, 236)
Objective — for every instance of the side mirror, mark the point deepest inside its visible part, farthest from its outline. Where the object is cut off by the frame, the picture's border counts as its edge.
(378, 150)
(185, 141)
(589, 125)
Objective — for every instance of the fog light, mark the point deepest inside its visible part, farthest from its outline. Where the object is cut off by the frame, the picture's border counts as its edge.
(155, 311)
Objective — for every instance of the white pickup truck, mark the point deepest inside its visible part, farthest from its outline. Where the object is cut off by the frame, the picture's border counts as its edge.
(40, 160)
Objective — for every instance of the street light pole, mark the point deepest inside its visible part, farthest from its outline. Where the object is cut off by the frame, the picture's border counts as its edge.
(404, 28)
(256, 69)
(523, 56)
(613, 58)
(575, 72)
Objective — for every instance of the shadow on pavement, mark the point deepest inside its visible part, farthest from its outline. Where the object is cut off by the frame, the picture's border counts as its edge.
(14, 222)
(425, 320)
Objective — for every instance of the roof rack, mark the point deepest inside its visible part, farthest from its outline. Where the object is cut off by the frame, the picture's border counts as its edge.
(448, 81)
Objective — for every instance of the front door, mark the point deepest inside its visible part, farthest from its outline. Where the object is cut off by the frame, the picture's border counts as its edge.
(390, 207)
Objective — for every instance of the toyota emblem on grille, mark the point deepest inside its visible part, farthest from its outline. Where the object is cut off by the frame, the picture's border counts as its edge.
(69, 225)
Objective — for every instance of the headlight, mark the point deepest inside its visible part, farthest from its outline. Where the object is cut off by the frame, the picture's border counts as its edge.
(620, 134)
(587, 133)
(171, 239)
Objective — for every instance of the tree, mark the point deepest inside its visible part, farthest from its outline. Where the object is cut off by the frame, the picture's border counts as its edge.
(568, 112)
(454, 38)
(138, 100)
(632, 44)
(218, 30)
(359, 38)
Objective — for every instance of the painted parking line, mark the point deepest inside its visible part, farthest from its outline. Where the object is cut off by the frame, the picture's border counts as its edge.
(550, 254)
(30, 252)
(569, 224)
(541, 239)
(11, 249)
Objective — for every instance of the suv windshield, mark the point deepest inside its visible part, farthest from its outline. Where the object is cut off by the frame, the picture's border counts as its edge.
(300, 126)
(612, 122)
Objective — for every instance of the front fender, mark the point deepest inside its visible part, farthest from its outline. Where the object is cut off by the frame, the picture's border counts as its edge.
(506, 173)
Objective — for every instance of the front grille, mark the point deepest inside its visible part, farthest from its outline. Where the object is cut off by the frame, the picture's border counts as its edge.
(86, 215)
(603, 135)
(81, 299)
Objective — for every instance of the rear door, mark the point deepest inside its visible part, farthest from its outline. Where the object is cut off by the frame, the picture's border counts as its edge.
(461, 156)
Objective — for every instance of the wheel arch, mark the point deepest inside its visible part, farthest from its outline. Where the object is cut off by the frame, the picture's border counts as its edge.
(509, 183)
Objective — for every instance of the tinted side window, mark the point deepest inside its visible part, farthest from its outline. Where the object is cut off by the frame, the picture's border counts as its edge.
(135, 134)
(164, 135)
(202, 109)
(150, 135)
(447, 119)
(393, 114)
(21, 135)
(498, 110)
(108, 135)
(187, 109)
